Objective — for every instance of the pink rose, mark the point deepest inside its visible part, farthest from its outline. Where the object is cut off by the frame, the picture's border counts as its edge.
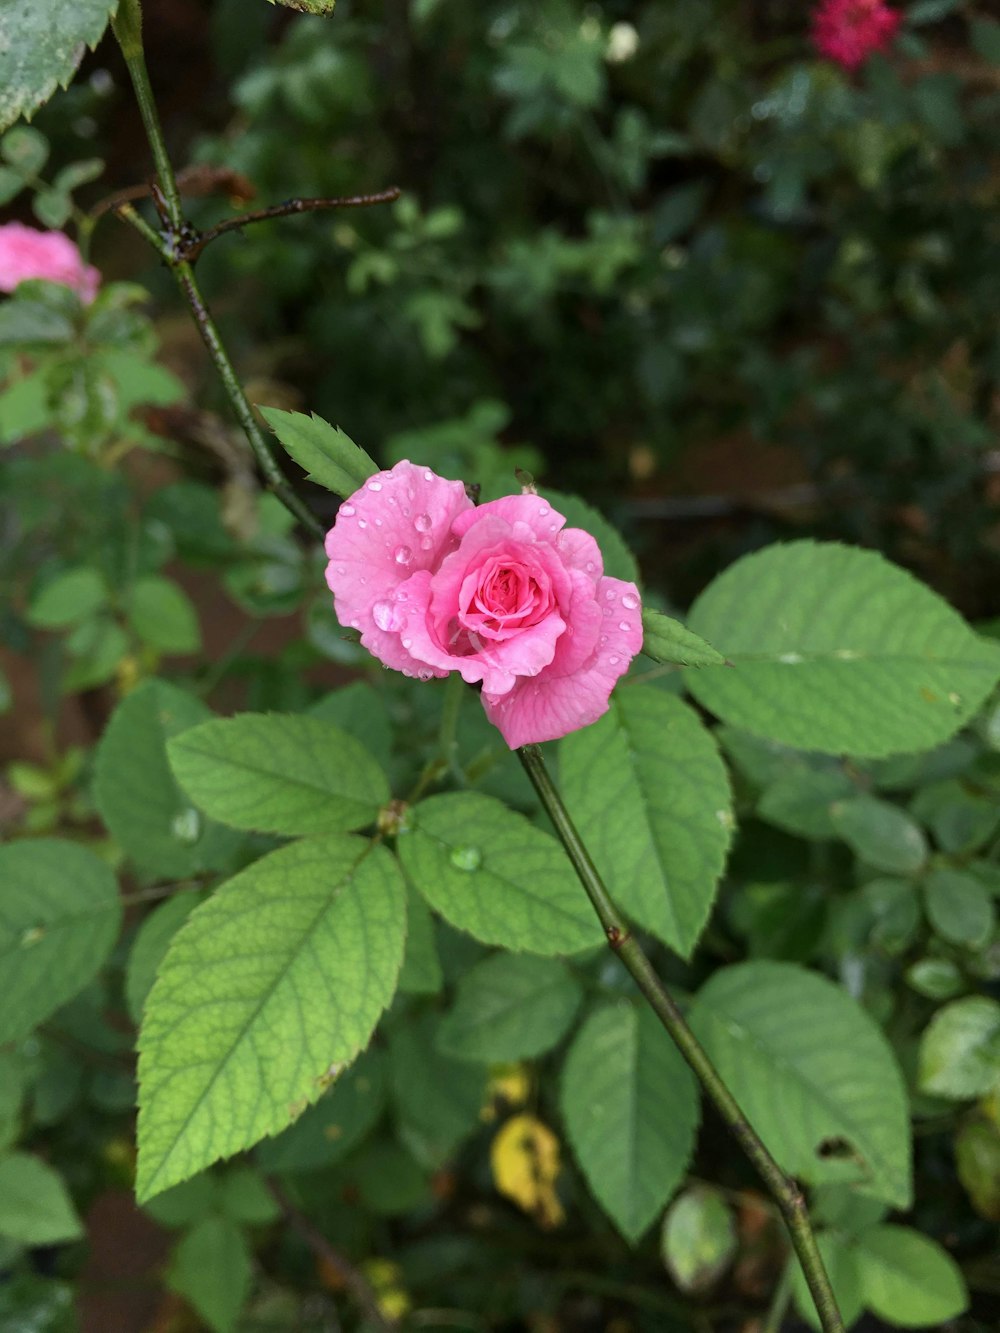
(27, 253)
(848, 31)
(504, 594)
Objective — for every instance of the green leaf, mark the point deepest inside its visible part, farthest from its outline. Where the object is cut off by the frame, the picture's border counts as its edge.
(52, 208)
(338, 1122)
(150, 948)
(184, 1204)
(28, 323)
(211, 1268)
(361, 712)
(630, 1105)
(243, 1197)
(279, 773)
(837, 650)
(274, 982)
(35, 1207)
(699, 1238)
(959, 907)
(647, 786)
(162, 615)
(800, 801)
(328, 456)
(907, 1279)
(24, 407)
(59, 920)
(937, 978)
(840, 1258)
(143, 807)
(510, 1007)
(815, 1076)
(389, 1179)
(11, 184)
(438, 1099)
(880, 834)
(985, 34)
(960, 1050)
(667, 640)
(41, 44)
(68, 599)
(26, 149)
(490, 872)
(308, 6)
(977, 1157)
(421, 974)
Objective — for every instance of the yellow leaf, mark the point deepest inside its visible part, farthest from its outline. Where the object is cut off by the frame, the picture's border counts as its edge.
(525, 1163)
(510, 1084)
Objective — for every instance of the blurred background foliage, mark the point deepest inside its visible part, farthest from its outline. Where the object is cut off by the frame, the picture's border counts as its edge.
(653, 232)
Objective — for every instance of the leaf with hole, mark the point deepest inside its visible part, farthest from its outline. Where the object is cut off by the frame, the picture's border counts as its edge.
(813, 1073)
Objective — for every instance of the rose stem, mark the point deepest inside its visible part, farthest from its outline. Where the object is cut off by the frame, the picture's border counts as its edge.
(786, 1191)
(127, 25)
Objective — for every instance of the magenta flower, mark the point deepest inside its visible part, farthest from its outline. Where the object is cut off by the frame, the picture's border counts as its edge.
(504, 593)
(27, 253)
(849, 31)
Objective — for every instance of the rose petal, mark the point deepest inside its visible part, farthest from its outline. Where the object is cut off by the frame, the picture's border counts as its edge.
(552, 706)
(578, 550)
(534, 510)
(394, 526)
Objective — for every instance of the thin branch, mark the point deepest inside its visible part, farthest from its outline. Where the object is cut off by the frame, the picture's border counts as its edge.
(353, 1279)
(193, 247)
(786, 1191)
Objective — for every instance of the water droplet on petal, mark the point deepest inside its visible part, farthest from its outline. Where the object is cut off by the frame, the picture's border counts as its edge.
(378, 522)
(613, 660)
(466, 858)
(407, 643)
(543, 510)
(422, 522)
(362, 523)
(428, 476)
(186, 826)
(604, 639)
(347, 510)
(374, 485)
(425, 543)
(624, 625)
(382, 612)
(630, 601)
(609, 593)
(402, 555)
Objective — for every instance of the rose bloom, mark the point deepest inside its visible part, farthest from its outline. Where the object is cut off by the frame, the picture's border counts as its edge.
(505, 594)
(848, 31)
(27, 253)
